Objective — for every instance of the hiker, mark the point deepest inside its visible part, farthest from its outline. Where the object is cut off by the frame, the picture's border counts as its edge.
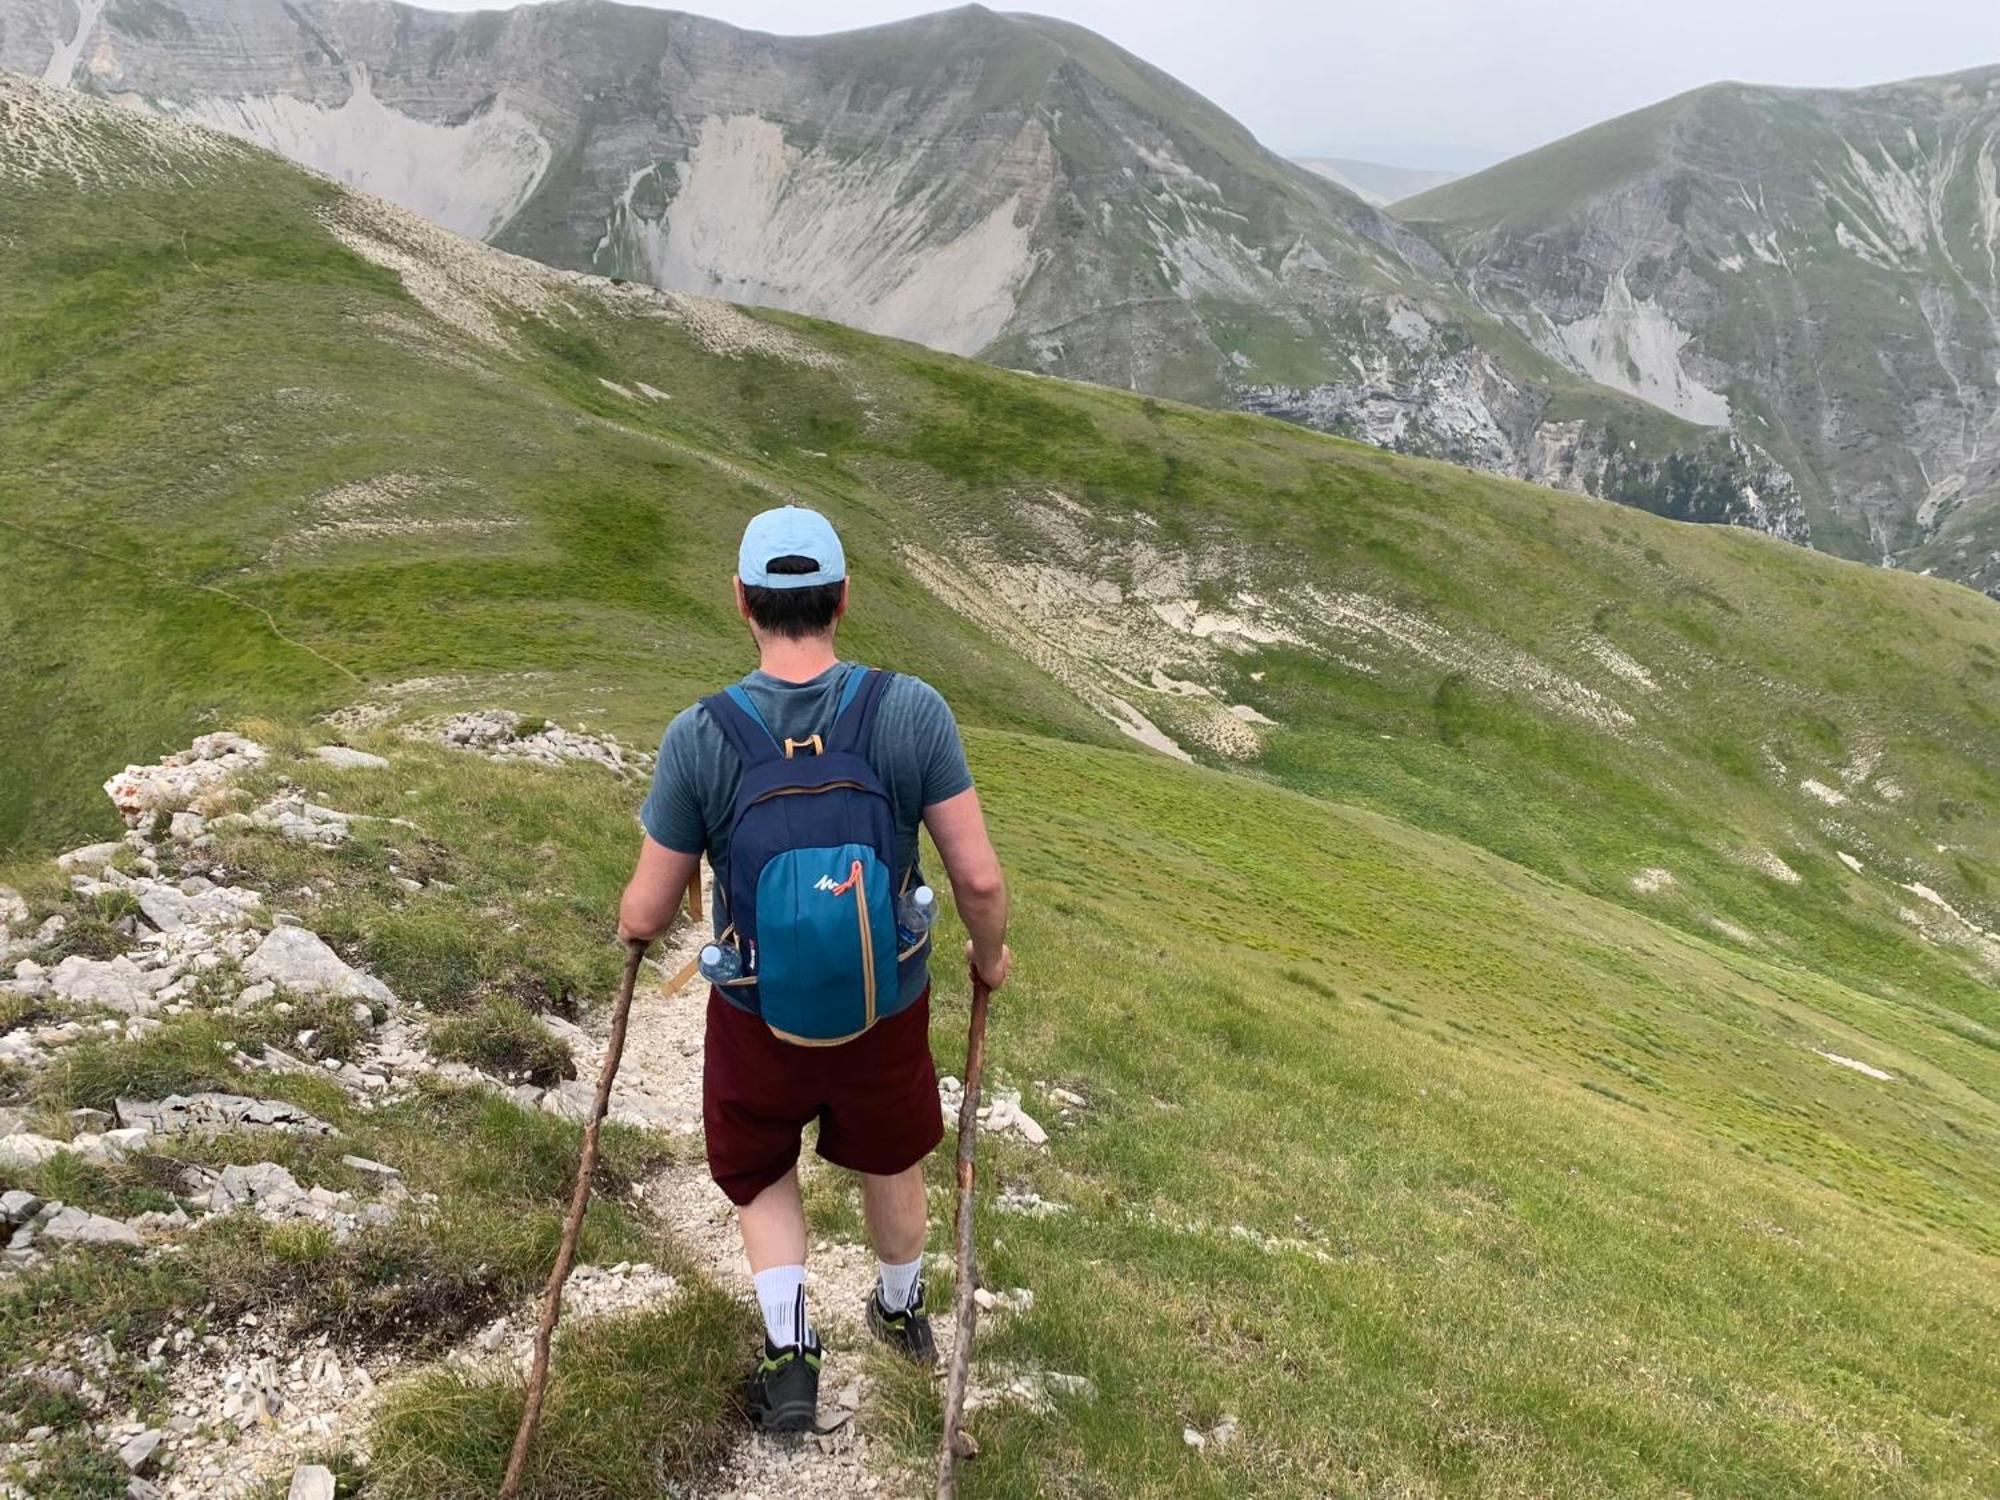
(804, 784)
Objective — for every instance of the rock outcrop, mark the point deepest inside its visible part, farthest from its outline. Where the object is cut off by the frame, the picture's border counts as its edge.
(211, 1113)
(302, 962)
(178, 781)
(1812, 270)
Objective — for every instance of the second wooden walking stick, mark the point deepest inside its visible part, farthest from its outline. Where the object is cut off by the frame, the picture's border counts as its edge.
(954, 1445)
(538, 1373)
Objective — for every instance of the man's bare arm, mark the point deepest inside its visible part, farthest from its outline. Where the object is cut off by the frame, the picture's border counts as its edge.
(653, 894)
(958, 828)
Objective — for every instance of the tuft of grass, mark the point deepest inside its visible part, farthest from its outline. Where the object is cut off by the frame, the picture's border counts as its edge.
(638, 1405)
(118, 1189)
(286, 739)
(504, 1039)
(195, 1054)
(75, 1466)
(90, 931)
(36, 1401)
(337, 1032)
(420, 1283)
(22, 1010)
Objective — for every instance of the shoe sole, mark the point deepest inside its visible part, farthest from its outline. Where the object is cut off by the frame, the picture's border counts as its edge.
(791, 1418)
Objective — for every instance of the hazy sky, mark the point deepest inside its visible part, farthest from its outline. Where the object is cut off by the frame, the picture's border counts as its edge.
(1428, 82)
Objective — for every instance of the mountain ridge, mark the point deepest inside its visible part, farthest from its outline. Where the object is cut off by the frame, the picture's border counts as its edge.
(1817, 265)
(1010, 186)
(1141, 556)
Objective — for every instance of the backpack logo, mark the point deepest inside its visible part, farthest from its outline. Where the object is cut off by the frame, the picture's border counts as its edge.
(826, 883)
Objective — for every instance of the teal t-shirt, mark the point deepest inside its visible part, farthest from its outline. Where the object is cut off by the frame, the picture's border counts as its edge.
(915, 750)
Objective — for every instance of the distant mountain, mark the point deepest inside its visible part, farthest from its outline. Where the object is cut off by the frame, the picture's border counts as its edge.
(1007, 186)
(1817, 269)
(1372, 181)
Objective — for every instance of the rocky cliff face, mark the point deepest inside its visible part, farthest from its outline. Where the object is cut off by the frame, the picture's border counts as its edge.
(1814, 269)
(1006, 186)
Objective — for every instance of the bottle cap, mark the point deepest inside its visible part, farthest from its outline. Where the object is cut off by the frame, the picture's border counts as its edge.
(711, 954)
(923, 895)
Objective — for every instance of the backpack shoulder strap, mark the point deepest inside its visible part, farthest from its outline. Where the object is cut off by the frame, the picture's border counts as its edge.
(854, 722)
(736, 716)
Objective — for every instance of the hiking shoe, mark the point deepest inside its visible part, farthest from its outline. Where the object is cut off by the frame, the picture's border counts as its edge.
(783, 1391)
(909, 1331)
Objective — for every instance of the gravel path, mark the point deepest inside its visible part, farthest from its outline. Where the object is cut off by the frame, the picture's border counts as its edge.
(663, 1059)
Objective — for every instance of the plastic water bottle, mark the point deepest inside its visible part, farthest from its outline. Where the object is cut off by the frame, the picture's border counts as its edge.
(915, 911)
(720, 965)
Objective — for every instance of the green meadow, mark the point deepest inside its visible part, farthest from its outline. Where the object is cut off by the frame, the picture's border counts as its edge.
(1428, 1134)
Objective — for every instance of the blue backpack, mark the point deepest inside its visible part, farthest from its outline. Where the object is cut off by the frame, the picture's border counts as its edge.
(810, 899)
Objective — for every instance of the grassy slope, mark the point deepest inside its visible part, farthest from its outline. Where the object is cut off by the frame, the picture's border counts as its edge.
(184, 400)
(1596, 1217)
(1592, 1220)
(1541, 186)
(1566, 1203)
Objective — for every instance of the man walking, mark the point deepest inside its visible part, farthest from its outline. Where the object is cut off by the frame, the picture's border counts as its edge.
(804, 784)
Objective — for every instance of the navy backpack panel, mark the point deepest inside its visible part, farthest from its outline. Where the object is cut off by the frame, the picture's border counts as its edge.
(812, 844)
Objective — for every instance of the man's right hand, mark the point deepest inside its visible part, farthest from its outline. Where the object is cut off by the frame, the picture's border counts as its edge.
(993, 976)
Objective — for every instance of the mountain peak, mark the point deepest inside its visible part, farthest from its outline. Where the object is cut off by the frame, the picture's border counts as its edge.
(1777, 250)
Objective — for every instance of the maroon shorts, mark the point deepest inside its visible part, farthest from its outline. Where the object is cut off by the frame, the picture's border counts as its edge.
(875, 1098)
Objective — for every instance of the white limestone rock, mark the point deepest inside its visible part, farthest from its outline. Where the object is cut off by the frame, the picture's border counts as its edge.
(72, 1225)
(169, 908)
(177, 781)
(136, 1452)
(117, 983)
(376, 1174)
(300, 961)
(499, 735)
(264, 1185)
(301, 821)
(91, 858)
(348, 759)
(23, 1150)
(217, 1113)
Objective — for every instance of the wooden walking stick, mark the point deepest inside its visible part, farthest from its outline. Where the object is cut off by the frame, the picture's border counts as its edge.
(954, 1444)
(614, 1049)
(538, 1373)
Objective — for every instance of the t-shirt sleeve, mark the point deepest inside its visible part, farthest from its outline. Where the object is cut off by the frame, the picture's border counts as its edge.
(934, 737)
(671, 814)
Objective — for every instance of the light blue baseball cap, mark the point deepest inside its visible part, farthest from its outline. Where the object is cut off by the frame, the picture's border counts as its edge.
(790, 531)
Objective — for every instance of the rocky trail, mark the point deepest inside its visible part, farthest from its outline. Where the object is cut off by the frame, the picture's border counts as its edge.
(248, 1404)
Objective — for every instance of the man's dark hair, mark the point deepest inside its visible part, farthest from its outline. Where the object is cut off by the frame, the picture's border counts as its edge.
(793, 613)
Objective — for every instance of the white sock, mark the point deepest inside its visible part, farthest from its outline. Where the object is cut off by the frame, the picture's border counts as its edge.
(899, 1283)
(781, 1292)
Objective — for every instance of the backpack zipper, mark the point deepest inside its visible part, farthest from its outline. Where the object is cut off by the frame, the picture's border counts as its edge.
(805, 791)
(860, 883)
